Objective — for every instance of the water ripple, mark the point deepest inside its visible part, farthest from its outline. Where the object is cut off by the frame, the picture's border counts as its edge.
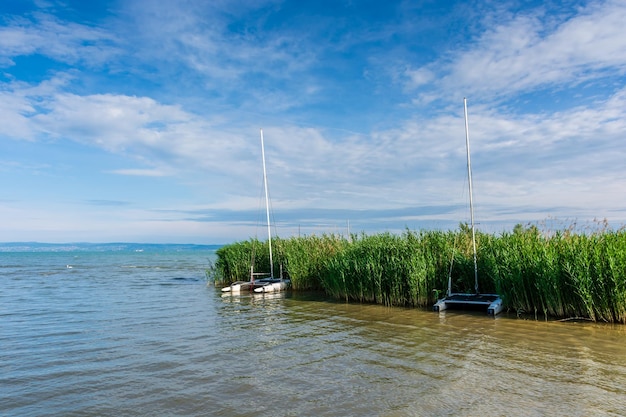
(113, 336)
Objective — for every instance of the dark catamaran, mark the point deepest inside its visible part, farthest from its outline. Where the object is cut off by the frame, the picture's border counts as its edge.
(491, 302)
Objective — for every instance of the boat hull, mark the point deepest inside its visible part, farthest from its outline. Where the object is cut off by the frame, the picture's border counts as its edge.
(491, 303)
(239, 286)
(280, 285)
(259, 285)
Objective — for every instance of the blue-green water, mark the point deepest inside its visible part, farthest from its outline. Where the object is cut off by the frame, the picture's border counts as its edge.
(120, 330)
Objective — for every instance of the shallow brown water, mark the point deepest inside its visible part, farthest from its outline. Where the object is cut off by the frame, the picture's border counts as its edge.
(370, 360)
(142, 335)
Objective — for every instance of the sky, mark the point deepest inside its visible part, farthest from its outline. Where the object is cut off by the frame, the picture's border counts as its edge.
(140, 120)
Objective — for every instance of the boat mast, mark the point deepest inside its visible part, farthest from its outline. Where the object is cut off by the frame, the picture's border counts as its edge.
(267, 207)
(469, 176)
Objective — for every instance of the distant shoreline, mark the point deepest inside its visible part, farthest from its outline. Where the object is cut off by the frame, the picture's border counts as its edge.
(101, 247)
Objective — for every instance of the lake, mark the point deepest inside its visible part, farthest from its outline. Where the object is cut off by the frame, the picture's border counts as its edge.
(128, 330)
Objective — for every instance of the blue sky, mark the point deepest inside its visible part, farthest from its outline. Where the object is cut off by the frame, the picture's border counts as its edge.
(138, 120)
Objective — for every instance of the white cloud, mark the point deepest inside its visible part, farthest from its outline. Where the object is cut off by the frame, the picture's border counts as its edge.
(527, 51)
(409, 165)
(67, 42)
(225, 46)
(14, 109)
(419, 77)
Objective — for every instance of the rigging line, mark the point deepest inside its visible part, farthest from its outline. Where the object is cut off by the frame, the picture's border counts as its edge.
(469, 176)
(267, 206)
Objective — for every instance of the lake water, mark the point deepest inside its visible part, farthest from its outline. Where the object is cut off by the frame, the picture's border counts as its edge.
(116, 331)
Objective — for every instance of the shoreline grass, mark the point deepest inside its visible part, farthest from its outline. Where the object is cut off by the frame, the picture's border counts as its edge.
(560, 275)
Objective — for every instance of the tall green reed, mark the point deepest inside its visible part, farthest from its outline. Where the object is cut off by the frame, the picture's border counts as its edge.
(558, 274)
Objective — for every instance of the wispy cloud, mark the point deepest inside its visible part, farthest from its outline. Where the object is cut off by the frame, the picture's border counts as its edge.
(140, 172)
(107, 203)
(67, 42)
(527, 51)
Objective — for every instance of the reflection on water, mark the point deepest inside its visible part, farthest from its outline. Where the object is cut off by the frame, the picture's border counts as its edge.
(141, 337)
(347, 359)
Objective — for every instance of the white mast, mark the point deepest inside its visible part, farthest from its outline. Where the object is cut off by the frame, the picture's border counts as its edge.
(469, 175)
(267, 207)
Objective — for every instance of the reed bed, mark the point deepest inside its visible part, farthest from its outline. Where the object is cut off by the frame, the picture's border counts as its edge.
(559, 275)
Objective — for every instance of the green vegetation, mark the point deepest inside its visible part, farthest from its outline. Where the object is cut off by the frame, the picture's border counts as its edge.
(561, 275)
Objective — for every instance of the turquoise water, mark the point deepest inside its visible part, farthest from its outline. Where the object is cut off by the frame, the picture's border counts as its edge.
(135, 331)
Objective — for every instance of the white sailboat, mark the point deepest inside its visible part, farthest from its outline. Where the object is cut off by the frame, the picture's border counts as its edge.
(267, 284)
(492, 302)
(270, 284)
